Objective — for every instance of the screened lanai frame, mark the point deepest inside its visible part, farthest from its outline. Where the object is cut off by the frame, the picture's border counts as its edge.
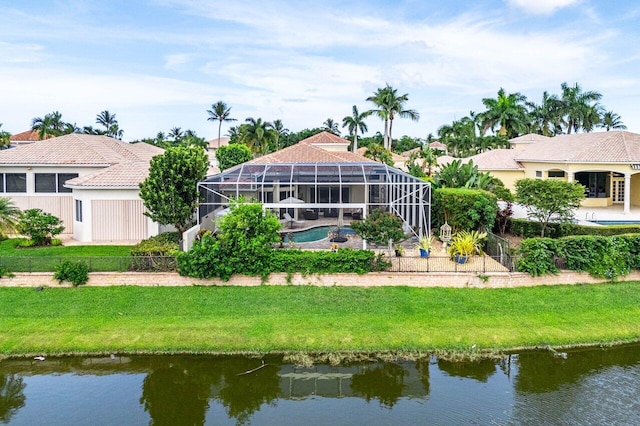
(342, 186)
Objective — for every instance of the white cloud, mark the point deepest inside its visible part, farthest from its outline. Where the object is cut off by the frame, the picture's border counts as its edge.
(542, 7)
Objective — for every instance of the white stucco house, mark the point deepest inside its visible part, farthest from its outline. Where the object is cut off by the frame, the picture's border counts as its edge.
(90, 182)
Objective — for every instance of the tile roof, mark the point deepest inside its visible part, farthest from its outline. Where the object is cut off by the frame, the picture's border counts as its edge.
(125, 165)
(497, 159)
(308, 153)
(29, 135)
(529, 138)
(596, 147)
(214, 144)
(324, 138)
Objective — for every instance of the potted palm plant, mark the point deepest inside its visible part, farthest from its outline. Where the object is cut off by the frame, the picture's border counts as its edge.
(424, 244)
(399, 250)
(465, 244)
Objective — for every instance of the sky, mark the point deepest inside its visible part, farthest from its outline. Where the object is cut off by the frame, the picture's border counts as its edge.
(159, 64)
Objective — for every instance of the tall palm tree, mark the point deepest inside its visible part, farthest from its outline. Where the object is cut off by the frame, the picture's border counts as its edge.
(176, 134)
(546, 118)
(257, 135)
(576, 106)
(106, 119)
(377, 152)
(278, 131)
(220, 112)
(331, 126)
(611, 120)
(9, 216)
(355, 122)
(390, 105)
(507, 111)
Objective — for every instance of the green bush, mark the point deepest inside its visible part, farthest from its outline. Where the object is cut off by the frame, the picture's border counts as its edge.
(41, 227)
(156, 253)
(528, 229)
(308, 262)
(56, 242)
(464, 209)
(537, 256)
(26, 243)
(77, 273)
(379, 227)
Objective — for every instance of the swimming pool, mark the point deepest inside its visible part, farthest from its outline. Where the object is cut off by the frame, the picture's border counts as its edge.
(616, 222)
(316, 234)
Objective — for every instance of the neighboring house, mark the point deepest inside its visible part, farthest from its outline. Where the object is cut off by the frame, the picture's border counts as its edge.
(319, 177)
(606, 163)
(30, 136)
(90, 182)
(212, 147)
(399, 161)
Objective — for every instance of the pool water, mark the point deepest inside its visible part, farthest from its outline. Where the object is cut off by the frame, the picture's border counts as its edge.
(316, 234)
(616, 222)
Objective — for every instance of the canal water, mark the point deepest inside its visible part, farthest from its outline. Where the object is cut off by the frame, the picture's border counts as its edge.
(582, 387)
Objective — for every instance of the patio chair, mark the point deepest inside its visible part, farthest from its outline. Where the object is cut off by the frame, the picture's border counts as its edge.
(291, 221)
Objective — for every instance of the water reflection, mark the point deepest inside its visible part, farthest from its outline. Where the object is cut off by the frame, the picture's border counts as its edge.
(590, 386)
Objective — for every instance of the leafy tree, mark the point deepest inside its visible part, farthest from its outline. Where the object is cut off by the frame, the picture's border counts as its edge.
(422, 163)
(389, 104)
(10, 216)
(465, 209)
(5, 138)
(466, 175)
(232, 155)
(549, 200)
(331, 126)
(378, 153)
(355, 122)
(405, 143)
(41, 227)
(220, 112)
(507, 111)
(379, 227)
(611, 120)
(170, 192)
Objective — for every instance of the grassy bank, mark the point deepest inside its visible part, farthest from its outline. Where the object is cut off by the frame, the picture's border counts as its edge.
(229, 319)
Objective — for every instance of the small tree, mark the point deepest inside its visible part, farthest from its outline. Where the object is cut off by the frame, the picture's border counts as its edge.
(549, 200)
(170, 192)
(379, 227)
(41, 227)
(232, 155)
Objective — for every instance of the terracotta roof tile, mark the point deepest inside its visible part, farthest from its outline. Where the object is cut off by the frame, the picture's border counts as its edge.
(324, 138)
(497, 159)
(307, 153)
(29, 135)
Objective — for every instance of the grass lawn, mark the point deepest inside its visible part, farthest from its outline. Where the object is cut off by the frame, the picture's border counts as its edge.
(40, 259)
(315, 319)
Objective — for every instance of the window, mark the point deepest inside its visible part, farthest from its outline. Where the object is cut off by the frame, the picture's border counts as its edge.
(78, 210)
(16, 182)
(556, 173)
(53, 182)
(538, 173)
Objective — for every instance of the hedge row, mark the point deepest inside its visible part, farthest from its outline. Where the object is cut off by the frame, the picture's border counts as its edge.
(602, 256)
(528, 229)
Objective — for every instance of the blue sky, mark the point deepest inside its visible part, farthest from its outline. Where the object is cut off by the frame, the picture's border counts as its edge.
(160, 64)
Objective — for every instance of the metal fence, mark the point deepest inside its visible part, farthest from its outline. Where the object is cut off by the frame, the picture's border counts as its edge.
(95, 263)
(437, 263)
(499, 249)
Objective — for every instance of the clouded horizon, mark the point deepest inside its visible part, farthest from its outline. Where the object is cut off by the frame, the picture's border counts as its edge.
(161, 64)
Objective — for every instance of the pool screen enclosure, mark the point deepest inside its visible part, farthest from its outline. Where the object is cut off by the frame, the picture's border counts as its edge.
(321, 188)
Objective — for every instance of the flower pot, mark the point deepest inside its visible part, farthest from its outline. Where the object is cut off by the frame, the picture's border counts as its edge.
(398, 253)
(461, 259)
(424, 252)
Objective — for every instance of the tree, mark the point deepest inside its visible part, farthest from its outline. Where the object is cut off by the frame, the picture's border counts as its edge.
(611, 120)
(331, 126)
(5, 138)
(546, 118)
(421, 163)
(257, 135)
(232, 155)
(108, 120)
(170, 192)
(576, 106)
(507, 111)
(405, 143)
(389, 104)
(10, 216)
(355, 122)
(379, 227)
(41, 227)
(279, 131)
(378, 153)
(549, 200)
(51, 125)
(220, 112)
(12, 396)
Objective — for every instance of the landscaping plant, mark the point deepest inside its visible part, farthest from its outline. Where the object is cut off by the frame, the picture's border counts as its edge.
(41, 227)
(77, 273)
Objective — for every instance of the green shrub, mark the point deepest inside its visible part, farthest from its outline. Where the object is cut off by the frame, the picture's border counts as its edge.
(41, 227)
(4, 272)
(343, 260)
(537, 256)
(56, 242)
(26, 243)
(465, 209)
(77, 273)
(528, 229)
(602, 257)
(156, 253)
(379, 227)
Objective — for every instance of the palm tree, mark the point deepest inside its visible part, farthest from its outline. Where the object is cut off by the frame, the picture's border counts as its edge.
(257, 135)
(355, 122)
(5, 138)
(389, 105)
(176, 134)
(220, 112)
(278, 131)
(546, 118)
(9, 216)
(331, 126)
(377, 152)
(110, 123)
(611, 120)
(508, 111)
(576, 106)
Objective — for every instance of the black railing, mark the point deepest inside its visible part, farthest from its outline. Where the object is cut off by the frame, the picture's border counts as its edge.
(95, 263)
(443, 263)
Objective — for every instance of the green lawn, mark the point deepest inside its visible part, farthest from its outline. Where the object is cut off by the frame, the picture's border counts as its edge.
(266, 318)
(43, 259)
